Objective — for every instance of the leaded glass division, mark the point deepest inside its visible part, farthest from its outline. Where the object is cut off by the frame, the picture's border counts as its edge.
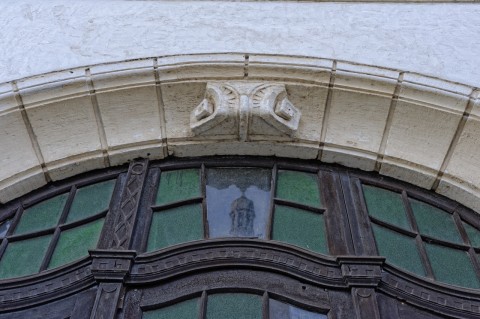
(232, 305)
(41, 216)
(425, 240)
(55, 231)
(237, 202)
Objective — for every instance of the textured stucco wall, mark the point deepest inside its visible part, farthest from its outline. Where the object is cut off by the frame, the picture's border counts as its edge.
(438, 39)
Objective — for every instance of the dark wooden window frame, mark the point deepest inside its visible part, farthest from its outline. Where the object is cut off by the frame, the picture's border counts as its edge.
(421, 239)
(124, 277)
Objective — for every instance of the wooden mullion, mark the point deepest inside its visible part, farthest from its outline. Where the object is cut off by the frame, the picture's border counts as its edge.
(68, 205)
(178, 204)
(393, 227)
(299, 206)
(336, 227)
(203, 306)
(418, 238)
(50, 250)
(341, 203)
(461, 229)
(466, 240)
(203, 185)
(273, 186)
(476, 263)
(409, 212)
(115, 202)
(15, 221)
(3, 246)
(8, 213)
(84, 221)
(140, 239)
(265, 306)
(359, 220)
(56, 233)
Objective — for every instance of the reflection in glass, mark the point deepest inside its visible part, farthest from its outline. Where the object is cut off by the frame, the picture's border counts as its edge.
(238, 201)
(280, 310)
(4, 226)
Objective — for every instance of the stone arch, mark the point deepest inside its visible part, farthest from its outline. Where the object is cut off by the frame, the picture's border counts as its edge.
(409, 126)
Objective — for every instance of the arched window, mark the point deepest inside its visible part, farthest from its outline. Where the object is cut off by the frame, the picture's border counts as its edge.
(237, 237)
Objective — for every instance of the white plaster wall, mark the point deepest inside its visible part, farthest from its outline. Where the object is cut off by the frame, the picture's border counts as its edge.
(437, 39)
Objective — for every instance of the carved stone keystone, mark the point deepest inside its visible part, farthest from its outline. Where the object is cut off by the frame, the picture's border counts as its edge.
(243, 109)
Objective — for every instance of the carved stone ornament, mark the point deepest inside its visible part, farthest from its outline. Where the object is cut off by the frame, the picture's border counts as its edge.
(244, 109)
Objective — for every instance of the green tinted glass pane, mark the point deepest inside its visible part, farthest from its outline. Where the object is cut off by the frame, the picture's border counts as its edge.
(91, 200)
(174, 226)
(298, 187)
(473, 234)
(452, 266)
(41, 216)
(234, 306)
(183, 310)
(74, 243)
(399, 250)
(385, 205)
(178, 185)
(24, 257)
(435, 222)
(299, 227)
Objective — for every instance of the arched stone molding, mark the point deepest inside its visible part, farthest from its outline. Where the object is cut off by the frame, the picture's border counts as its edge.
(405, 125)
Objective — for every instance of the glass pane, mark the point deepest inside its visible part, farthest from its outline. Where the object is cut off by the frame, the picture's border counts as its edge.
(280, 310)
(174, 226)
(178, 185)
(183, 310)
(399, 250)
(234, 306)
(435, 222)
(386, 206)
(299, 227)
(24, 257)
(41, 216)
(238, 201)
(452, 266)
(4, 226)
(473, 234)
(91, 200)
(74, 243)
(298, 187)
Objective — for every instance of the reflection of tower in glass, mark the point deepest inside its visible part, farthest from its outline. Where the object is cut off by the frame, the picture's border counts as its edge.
(242, 214)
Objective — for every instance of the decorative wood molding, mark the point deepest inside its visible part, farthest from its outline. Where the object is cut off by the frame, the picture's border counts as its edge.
(33, 290)
(111, 265)
(257, 254)
(129, 201)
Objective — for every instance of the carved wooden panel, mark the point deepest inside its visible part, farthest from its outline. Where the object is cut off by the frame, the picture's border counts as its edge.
(125, 215)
